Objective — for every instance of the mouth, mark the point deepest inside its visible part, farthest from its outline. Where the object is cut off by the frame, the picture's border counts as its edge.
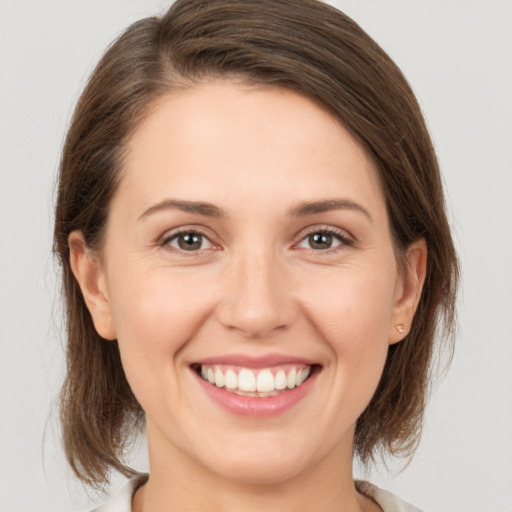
(256, 382)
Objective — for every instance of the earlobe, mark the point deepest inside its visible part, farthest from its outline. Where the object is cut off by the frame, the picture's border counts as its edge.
(409, 290)
(89, 274)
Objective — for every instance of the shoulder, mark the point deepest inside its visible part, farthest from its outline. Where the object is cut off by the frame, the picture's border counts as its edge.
(387, 501)
(122, 501)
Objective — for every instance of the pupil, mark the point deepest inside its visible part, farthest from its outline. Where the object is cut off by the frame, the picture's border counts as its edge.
(320, 241)
(190, 241)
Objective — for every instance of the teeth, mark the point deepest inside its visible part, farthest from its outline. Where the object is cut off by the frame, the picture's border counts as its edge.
(255, 393)
(260, 383)
(303, 375)
(265, 382)
(291, 378)
(219, 378)
(246, 380)
(280, 382)
(231, 380)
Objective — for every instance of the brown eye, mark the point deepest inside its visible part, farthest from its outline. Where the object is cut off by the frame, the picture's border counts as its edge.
(323, 240)
(320, 241)
(190, 241)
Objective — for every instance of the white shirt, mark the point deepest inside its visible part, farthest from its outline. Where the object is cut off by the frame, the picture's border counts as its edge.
(387, 501)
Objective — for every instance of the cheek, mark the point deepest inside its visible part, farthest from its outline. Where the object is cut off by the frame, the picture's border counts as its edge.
(352, 312)
(156, 305)
(353, 300)
(156, 312)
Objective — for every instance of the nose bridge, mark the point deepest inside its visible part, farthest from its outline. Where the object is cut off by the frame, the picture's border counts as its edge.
(257, 298)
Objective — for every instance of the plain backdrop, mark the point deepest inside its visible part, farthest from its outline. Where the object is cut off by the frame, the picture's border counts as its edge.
(457, 56)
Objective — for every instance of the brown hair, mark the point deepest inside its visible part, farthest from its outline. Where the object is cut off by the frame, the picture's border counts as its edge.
(302, 45)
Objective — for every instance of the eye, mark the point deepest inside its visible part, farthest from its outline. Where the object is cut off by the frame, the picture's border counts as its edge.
(188, 241)
(324, 239)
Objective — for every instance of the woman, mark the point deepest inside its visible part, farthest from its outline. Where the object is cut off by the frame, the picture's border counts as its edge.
(256, 259)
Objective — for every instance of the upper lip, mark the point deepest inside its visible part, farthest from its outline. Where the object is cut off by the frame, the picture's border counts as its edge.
(248, 361)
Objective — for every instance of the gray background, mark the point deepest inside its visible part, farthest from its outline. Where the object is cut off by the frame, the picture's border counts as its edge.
(458, 58)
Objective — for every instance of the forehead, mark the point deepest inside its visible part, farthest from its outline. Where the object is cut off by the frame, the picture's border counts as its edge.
(250, 141)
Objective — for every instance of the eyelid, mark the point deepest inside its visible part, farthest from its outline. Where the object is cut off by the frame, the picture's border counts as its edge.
(342, 235)
(346, 239)
(182, 230)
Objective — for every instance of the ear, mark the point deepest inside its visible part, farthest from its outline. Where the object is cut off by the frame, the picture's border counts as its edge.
(408, 291)
(88, 272)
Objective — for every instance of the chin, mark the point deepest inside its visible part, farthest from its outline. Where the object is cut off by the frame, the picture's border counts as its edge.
(260, 462)
(259, 472)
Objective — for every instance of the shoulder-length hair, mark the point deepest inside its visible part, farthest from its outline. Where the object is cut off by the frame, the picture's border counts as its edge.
(301, 45)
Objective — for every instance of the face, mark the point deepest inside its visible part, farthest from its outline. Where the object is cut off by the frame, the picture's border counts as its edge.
(249, 276)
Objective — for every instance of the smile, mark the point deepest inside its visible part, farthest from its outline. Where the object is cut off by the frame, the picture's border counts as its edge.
(264, 382)
(256, 387)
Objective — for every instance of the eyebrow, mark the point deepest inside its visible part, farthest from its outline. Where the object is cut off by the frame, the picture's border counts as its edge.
(199, 208)
(311, 208)
(303, 209)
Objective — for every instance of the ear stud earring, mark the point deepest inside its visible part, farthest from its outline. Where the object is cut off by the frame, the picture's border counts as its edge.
(400, 328)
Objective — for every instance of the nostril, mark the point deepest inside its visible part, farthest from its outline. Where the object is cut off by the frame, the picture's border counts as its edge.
(255, 321)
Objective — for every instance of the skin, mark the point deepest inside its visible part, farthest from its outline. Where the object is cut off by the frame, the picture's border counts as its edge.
(255, 286)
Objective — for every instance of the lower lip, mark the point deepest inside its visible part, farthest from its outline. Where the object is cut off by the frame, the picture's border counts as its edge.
(253, 406)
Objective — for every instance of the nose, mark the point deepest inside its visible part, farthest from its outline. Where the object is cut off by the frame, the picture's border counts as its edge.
(257, 296)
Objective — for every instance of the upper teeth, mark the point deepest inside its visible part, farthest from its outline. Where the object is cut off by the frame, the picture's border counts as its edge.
(266, 380)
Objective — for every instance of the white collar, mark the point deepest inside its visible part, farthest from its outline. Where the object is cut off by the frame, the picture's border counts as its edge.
(387, 501)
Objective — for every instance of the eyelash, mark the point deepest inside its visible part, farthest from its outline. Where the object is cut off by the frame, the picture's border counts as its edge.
(168, 238)
(341, 236)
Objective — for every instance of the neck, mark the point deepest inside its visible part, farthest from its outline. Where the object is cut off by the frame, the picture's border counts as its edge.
(178, 482)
